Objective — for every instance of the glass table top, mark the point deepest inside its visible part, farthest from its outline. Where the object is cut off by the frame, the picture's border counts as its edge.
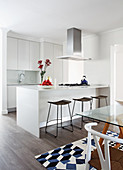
(111, 114)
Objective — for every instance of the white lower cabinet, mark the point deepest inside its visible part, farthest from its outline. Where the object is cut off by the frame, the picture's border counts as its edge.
(11, 97)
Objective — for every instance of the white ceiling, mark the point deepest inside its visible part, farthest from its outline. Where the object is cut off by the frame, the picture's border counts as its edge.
(51, 18)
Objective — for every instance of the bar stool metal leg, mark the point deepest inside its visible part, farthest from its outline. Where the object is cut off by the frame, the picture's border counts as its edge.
(64, 127)
(98, 103)
(48, 121)
(48, 118)
(82, 117)
(73, 107)
(82, 106)
(82, 110)
(106, 101)
(57, 122)
(90, 104)
(82, 120)
(70, 116)
(73, 115)
(61, 115)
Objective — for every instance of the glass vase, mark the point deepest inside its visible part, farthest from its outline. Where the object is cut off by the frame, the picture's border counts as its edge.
(42, 77)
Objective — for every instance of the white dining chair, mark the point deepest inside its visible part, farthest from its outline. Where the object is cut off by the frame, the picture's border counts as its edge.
(105, 161)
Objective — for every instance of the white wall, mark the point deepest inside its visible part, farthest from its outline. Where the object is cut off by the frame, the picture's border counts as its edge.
(3, 74)
(98, 70)
(72, 70)
(116, 74)
(91, 50)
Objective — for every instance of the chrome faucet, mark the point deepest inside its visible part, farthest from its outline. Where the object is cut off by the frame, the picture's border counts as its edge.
(21, 77)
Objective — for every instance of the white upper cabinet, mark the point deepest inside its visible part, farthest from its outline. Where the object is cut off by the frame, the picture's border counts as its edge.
(23, 55)
(34, 55)
(48, 53)
(58, 64)
(51, 51)
(12, 53)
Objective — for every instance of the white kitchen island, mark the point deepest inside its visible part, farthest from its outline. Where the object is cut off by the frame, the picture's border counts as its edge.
(32, 104)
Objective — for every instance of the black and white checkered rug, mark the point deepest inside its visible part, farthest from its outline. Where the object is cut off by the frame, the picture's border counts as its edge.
(71, 156)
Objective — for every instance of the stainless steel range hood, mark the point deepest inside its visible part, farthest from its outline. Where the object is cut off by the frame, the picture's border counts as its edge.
(74, 46)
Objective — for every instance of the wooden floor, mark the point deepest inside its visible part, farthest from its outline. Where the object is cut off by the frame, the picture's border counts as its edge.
(18, 147)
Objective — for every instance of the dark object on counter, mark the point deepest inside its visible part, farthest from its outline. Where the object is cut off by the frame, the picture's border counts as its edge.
(73, 84)
(59, 104)
(84, 81)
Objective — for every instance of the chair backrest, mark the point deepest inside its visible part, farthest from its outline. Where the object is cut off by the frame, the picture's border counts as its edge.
(105, 162)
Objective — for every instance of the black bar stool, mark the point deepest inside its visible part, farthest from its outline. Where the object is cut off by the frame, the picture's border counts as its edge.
(99, 98)
(82, 100)
(59, 103)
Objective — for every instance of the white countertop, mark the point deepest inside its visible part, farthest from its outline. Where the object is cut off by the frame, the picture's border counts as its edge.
(41, 88)
(22, 84)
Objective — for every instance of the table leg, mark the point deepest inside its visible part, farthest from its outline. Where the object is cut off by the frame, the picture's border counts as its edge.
(121, 131)
(104, 132)
(120, 136)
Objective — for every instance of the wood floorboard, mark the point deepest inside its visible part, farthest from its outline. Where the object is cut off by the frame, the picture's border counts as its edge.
(18, 147)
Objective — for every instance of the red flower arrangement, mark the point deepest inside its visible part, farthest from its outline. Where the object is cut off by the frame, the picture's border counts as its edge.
(47, 63)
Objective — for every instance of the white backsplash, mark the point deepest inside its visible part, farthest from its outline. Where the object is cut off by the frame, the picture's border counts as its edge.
(30, 76)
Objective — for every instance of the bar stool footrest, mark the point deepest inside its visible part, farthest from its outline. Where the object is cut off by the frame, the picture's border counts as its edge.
(64, 127)
(53, 120)
(77, 127)
(51, 134)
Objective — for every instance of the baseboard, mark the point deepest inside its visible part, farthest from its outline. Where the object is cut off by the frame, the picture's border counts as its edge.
(12, 109)
(43, 124)
(4, 112)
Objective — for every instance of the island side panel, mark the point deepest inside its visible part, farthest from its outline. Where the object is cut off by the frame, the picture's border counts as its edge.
(55, 95)
(28, 110)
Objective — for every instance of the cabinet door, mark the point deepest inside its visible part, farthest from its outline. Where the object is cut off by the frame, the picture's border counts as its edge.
(11, 97)
(34, 55)
(23, 55)
(11, 53)
(58, 64)
(48, 54)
